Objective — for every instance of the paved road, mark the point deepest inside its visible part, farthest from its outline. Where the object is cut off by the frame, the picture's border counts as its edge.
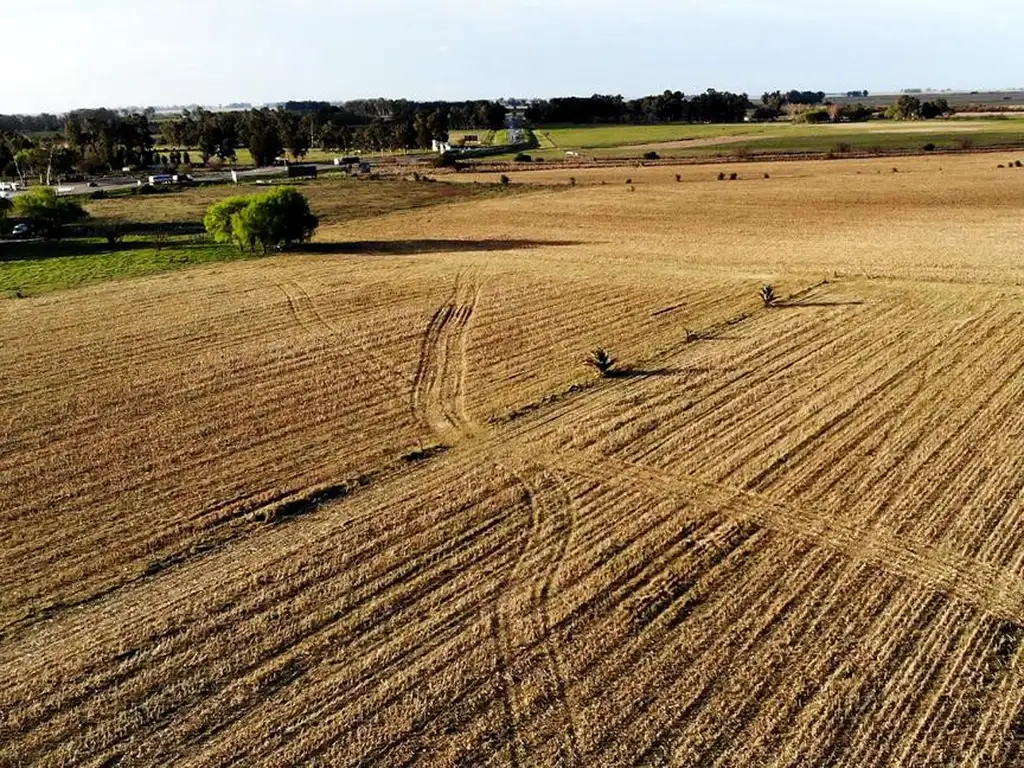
(114, 183)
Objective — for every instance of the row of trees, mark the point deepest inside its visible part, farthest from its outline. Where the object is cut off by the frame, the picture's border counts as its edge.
(671, 106)
(88, 141)
(912, 108)
(907, 107)
(267, 134)
(297, 127)
(774, 103)
(96, 140)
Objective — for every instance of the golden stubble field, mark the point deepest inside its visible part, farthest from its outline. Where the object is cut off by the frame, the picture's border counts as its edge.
(372, 509)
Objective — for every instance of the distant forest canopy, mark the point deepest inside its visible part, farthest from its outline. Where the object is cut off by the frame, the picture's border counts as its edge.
(669, 107)
(712, 106)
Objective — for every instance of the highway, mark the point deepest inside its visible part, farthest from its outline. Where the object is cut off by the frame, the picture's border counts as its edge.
(115, 183)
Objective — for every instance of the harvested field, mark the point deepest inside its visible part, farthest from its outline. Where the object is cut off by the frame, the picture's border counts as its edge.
(367, 505)
(696, 141)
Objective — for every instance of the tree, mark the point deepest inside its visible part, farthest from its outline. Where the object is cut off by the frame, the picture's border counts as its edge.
(938, 108)
(5, 207)
(906, 108)
(15, 145)
(260, 134)
(293, 132)
(284, 218)
(272, 220)
(774, 101)
(218, 218)
(46, 211)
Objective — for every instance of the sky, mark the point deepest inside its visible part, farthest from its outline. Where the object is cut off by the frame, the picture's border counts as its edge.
(65, 54)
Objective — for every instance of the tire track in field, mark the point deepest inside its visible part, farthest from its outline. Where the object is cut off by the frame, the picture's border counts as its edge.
(439, 388)
(526, 627)
(995, 591)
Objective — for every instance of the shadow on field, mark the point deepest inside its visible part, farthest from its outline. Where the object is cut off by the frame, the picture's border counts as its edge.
(47, 250)
(89, 240)
(802, 304)
(642, 373)
(412, 247)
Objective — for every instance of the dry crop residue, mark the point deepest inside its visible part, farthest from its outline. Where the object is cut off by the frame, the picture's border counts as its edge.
(788, 536)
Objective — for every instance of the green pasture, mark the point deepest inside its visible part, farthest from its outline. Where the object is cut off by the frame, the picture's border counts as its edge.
(27, 269)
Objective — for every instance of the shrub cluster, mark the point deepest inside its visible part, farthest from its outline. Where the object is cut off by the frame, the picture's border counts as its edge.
(46, 211)
(271, 220)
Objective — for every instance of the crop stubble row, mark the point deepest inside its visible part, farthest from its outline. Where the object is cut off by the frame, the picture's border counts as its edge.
(791, 541)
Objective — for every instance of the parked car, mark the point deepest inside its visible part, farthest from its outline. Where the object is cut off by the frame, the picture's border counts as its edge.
(22, 230)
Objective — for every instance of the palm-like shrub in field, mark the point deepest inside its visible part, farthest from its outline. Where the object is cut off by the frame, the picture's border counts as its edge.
(276, 219)
(767, 294)
(601, 361)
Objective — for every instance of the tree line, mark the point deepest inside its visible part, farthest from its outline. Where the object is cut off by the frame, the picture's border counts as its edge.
(269, 133)
(668, 107)
(298, 126)
(86, 141)
(101, 140)
(98, 140)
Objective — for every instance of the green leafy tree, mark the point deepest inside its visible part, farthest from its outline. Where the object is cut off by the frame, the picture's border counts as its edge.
(48, 212)
(261, 135)
(283, 218)
(218, 218)
(774, 101)
(293, 132)
(906, 108)
(272, 220)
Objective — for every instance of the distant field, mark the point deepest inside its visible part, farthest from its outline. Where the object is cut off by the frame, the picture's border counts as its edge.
(955, 98)
(688, 140)
(605, 136)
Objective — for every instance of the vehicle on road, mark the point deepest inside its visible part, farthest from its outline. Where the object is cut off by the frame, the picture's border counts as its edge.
(22, 230)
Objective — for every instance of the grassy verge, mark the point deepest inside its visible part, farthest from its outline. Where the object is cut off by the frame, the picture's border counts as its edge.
(29, 269)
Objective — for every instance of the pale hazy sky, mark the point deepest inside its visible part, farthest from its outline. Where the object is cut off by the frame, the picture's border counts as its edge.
(61, 54)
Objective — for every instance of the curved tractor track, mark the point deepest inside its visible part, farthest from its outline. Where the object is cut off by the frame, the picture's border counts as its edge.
(541, 720)
(439, 388)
